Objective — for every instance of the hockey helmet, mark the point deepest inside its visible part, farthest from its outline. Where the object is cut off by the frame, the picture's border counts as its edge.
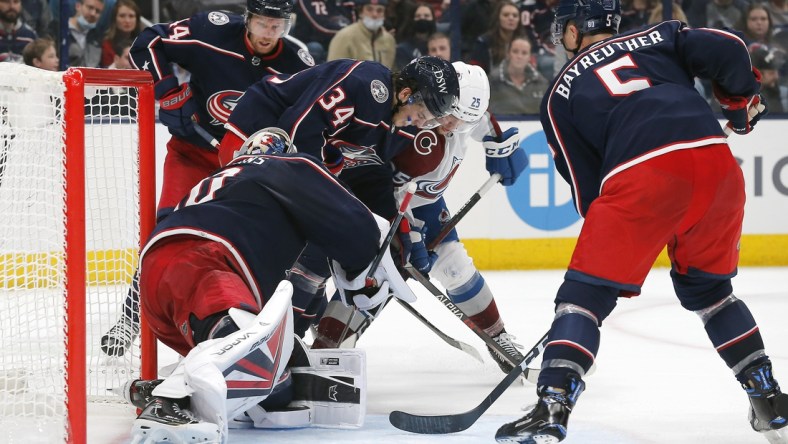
(269, 140)
(435, 83)
(270, 8)
(590, 17)
(474, 92)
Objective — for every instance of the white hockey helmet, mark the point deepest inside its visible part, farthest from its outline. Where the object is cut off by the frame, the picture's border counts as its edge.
(474, 92)
(269, 140)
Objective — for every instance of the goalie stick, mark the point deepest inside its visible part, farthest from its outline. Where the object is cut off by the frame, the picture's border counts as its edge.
(383, 249)
(452, 423)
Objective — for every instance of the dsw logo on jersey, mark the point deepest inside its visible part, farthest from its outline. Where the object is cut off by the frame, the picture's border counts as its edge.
(540, 197)
(356, 156)
(221, 104)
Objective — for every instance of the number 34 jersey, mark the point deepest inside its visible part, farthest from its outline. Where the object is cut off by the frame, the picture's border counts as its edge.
(631, 97)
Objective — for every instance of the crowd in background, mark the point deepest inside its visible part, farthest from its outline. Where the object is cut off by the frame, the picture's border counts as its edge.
(511, 41)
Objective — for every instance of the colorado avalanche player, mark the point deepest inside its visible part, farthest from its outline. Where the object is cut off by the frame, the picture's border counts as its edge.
(225, 54)
(431, 160)
(649, 166)
(211, 278)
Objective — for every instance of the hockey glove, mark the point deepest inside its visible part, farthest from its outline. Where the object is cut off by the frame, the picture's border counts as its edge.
(354, 290)
(402, 244)
(742, 112)
(178, 111)
(420, 258)
(504, 156)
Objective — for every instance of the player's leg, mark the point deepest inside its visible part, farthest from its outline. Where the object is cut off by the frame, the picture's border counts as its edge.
(464, 284)
(308, 276)
(705, 256)
(624, 231)
(201, 308)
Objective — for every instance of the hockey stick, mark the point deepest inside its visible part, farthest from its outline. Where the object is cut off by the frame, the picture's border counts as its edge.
(205, 135)
(448, 226)
(448, 339)
(530, 374)
(439, 424)
(384, 247)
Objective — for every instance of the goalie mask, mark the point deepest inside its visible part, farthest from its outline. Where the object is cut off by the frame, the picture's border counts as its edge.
(269, 140)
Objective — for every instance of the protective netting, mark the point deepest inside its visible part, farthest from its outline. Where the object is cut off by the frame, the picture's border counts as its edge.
(34, 338)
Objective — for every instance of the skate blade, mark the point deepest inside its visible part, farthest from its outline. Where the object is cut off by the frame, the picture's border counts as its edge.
(151, 432)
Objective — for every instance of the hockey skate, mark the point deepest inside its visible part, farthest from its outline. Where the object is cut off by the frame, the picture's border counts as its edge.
(547, 421)
(119, 338)
(166, 420)
(768, 405)
(138, 392)
(506, 341)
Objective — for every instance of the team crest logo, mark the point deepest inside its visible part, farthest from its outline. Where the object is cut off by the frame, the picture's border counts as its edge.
(356, 156)
(379, 91)
(306, 57)
(218, 18)
(221, 104)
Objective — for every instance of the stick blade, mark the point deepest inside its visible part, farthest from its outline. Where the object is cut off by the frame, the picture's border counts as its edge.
(471, 350)
(429, 425)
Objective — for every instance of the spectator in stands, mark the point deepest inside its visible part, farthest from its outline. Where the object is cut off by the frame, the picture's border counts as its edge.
(537, 18)
(723, 14)
(757, 26)
(318, 21)
(41, 53)
(366, 39)
(516, 87)
(439, 45)
(635, 13)
(476, 16)
(397, 12)
(490, 48)
(414, 34)
(84, 39)
(779, 12)
(101, 25)
(14, 34)
(37, 15)
(765, 60)
(126, 24)
(120, 51)
(656, 14)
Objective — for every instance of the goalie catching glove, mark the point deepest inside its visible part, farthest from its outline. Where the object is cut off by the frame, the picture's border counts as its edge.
(504, 156)
(742, 112)
(354, 290)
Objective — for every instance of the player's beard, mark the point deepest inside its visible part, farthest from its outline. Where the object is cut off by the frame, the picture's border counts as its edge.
(9, 17)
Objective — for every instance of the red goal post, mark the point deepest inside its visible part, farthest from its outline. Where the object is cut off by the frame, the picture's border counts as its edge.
(77, 200)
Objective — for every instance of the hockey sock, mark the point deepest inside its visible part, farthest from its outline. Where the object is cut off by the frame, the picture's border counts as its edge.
(476, 300)
(733, 332)
(309, 296)
(571, 347)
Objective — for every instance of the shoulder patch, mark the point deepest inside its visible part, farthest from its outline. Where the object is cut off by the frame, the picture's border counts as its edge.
(306, 57)
(218, 18)
(379, 91)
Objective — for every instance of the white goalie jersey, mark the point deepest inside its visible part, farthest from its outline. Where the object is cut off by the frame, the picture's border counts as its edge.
(433, 159)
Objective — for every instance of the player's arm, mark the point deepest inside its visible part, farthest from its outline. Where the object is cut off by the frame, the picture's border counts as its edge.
(722, 57)
(154, 50)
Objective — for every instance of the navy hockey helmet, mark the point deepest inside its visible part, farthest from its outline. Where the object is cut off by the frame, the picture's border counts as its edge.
(269, 140)
(435, 83)
(590, 17)
(270, 8)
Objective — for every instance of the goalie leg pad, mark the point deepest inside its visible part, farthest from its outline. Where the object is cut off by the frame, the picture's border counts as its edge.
(227, 376)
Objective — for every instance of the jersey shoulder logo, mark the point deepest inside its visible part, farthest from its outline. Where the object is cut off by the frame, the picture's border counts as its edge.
(306, 57)
(379, 91)
(218, 18)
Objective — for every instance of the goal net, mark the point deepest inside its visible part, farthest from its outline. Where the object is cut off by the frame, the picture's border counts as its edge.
(76, 198)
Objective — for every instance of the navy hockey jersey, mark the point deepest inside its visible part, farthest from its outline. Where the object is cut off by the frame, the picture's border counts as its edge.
(252, 207)
(347, 103)
(213, 47)
(631, 97)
